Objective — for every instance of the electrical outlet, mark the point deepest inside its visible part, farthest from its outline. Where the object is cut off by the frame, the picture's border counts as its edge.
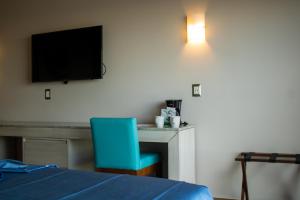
(47, 94)
(196, 90)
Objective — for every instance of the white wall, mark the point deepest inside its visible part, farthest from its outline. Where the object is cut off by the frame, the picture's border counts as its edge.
(249, 70)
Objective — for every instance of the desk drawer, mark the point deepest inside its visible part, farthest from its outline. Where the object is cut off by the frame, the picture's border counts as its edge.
(45, 151)
(156, 136)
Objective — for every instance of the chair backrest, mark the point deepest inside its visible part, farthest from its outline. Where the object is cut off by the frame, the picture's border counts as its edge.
(115, 143)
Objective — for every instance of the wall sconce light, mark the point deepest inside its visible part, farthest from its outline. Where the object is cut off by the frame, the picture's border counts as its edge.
(195, 31)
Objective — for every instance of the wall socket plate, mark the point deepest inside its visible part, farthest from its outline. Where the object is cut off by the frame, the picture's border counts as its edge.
(47, 94)
(196, 90)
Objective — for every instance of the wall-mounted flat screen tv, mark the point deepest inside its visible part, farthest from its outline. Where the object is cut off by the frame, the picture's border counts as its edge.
(67, 55)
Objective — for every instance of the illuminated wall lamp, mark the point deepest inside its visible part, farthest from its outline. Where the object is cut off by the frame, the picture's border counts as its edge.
(195, 32)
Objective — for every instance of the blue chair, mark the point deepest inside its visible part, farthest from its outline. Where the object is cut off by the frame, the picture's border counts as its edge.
(116, 148)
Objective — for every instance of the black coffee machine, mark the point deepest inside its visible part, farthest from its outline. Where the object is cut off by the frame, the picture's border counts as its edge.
(175, 104)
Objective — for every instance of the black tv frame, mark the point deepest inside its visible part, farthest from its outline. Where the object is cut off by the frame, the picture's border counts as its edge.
(98, 71)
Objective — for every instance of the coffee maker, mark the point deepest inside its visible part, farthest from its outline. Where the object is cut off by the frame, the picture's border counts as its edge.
(175, 104)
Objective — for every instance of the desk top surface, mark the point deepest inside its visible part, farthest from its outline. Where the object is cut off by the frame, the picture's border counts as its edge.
(79, 125)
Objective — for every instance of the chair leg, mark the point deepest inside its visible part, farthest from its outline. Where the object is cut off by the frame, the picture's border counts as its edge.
(159, 170)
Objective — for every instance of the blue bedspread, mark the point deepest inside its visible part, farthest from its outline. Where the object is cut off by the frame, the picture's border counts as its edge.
(19, 167)
(55, 183)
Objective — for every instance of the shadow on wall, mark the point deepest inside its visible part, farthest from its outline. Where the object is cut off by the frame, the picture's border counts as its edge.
(294, 185)
(29, 74)
(153, 110)
(1, 62)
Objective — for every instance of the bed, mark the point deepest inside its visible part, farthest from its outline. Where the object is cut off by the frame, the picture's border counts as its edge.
(50, 182)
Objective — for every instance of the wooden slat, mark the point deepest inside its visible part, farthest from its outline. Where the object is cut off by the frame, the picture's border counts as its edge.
(269, 154)
(153, 169)
(265, 157)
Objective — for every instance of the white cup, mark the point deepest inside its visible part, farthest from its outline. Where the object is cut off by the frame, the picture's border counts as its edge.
(175, 121)
(159, 121)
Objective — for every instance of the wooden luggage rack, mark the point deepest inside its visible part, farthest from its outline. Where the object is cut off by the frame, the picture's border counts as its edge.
(245, 157)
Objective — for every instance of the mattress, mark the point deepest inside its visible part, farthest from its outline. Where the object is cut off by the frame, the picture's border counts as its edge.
(56, 183)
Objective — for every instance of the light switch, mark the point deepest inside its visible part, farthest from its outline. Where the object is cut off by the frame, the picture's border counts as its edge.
(196, 90)
(47, 94)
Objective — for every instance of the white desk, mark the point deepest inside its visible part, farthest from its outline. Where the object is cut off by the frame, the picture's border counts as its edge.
(69, 144)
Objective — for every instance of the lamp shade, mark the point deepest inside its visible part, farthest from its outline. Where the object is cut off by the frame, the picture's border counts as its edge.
(195, 31)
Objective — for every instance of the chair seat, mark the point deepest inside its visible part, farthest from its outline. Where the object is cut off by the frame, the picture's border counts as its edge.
(148, 159)
(116, 148)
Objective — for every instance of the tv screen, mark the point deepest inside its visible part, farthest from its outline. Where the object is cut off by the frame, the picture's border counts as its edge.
(67, 55)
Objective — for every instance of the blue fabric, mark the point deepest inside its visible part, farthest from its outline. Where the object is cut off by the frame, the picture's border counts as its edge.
(56, 183)
(116, 144)
(147, 159)
(17, 166)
